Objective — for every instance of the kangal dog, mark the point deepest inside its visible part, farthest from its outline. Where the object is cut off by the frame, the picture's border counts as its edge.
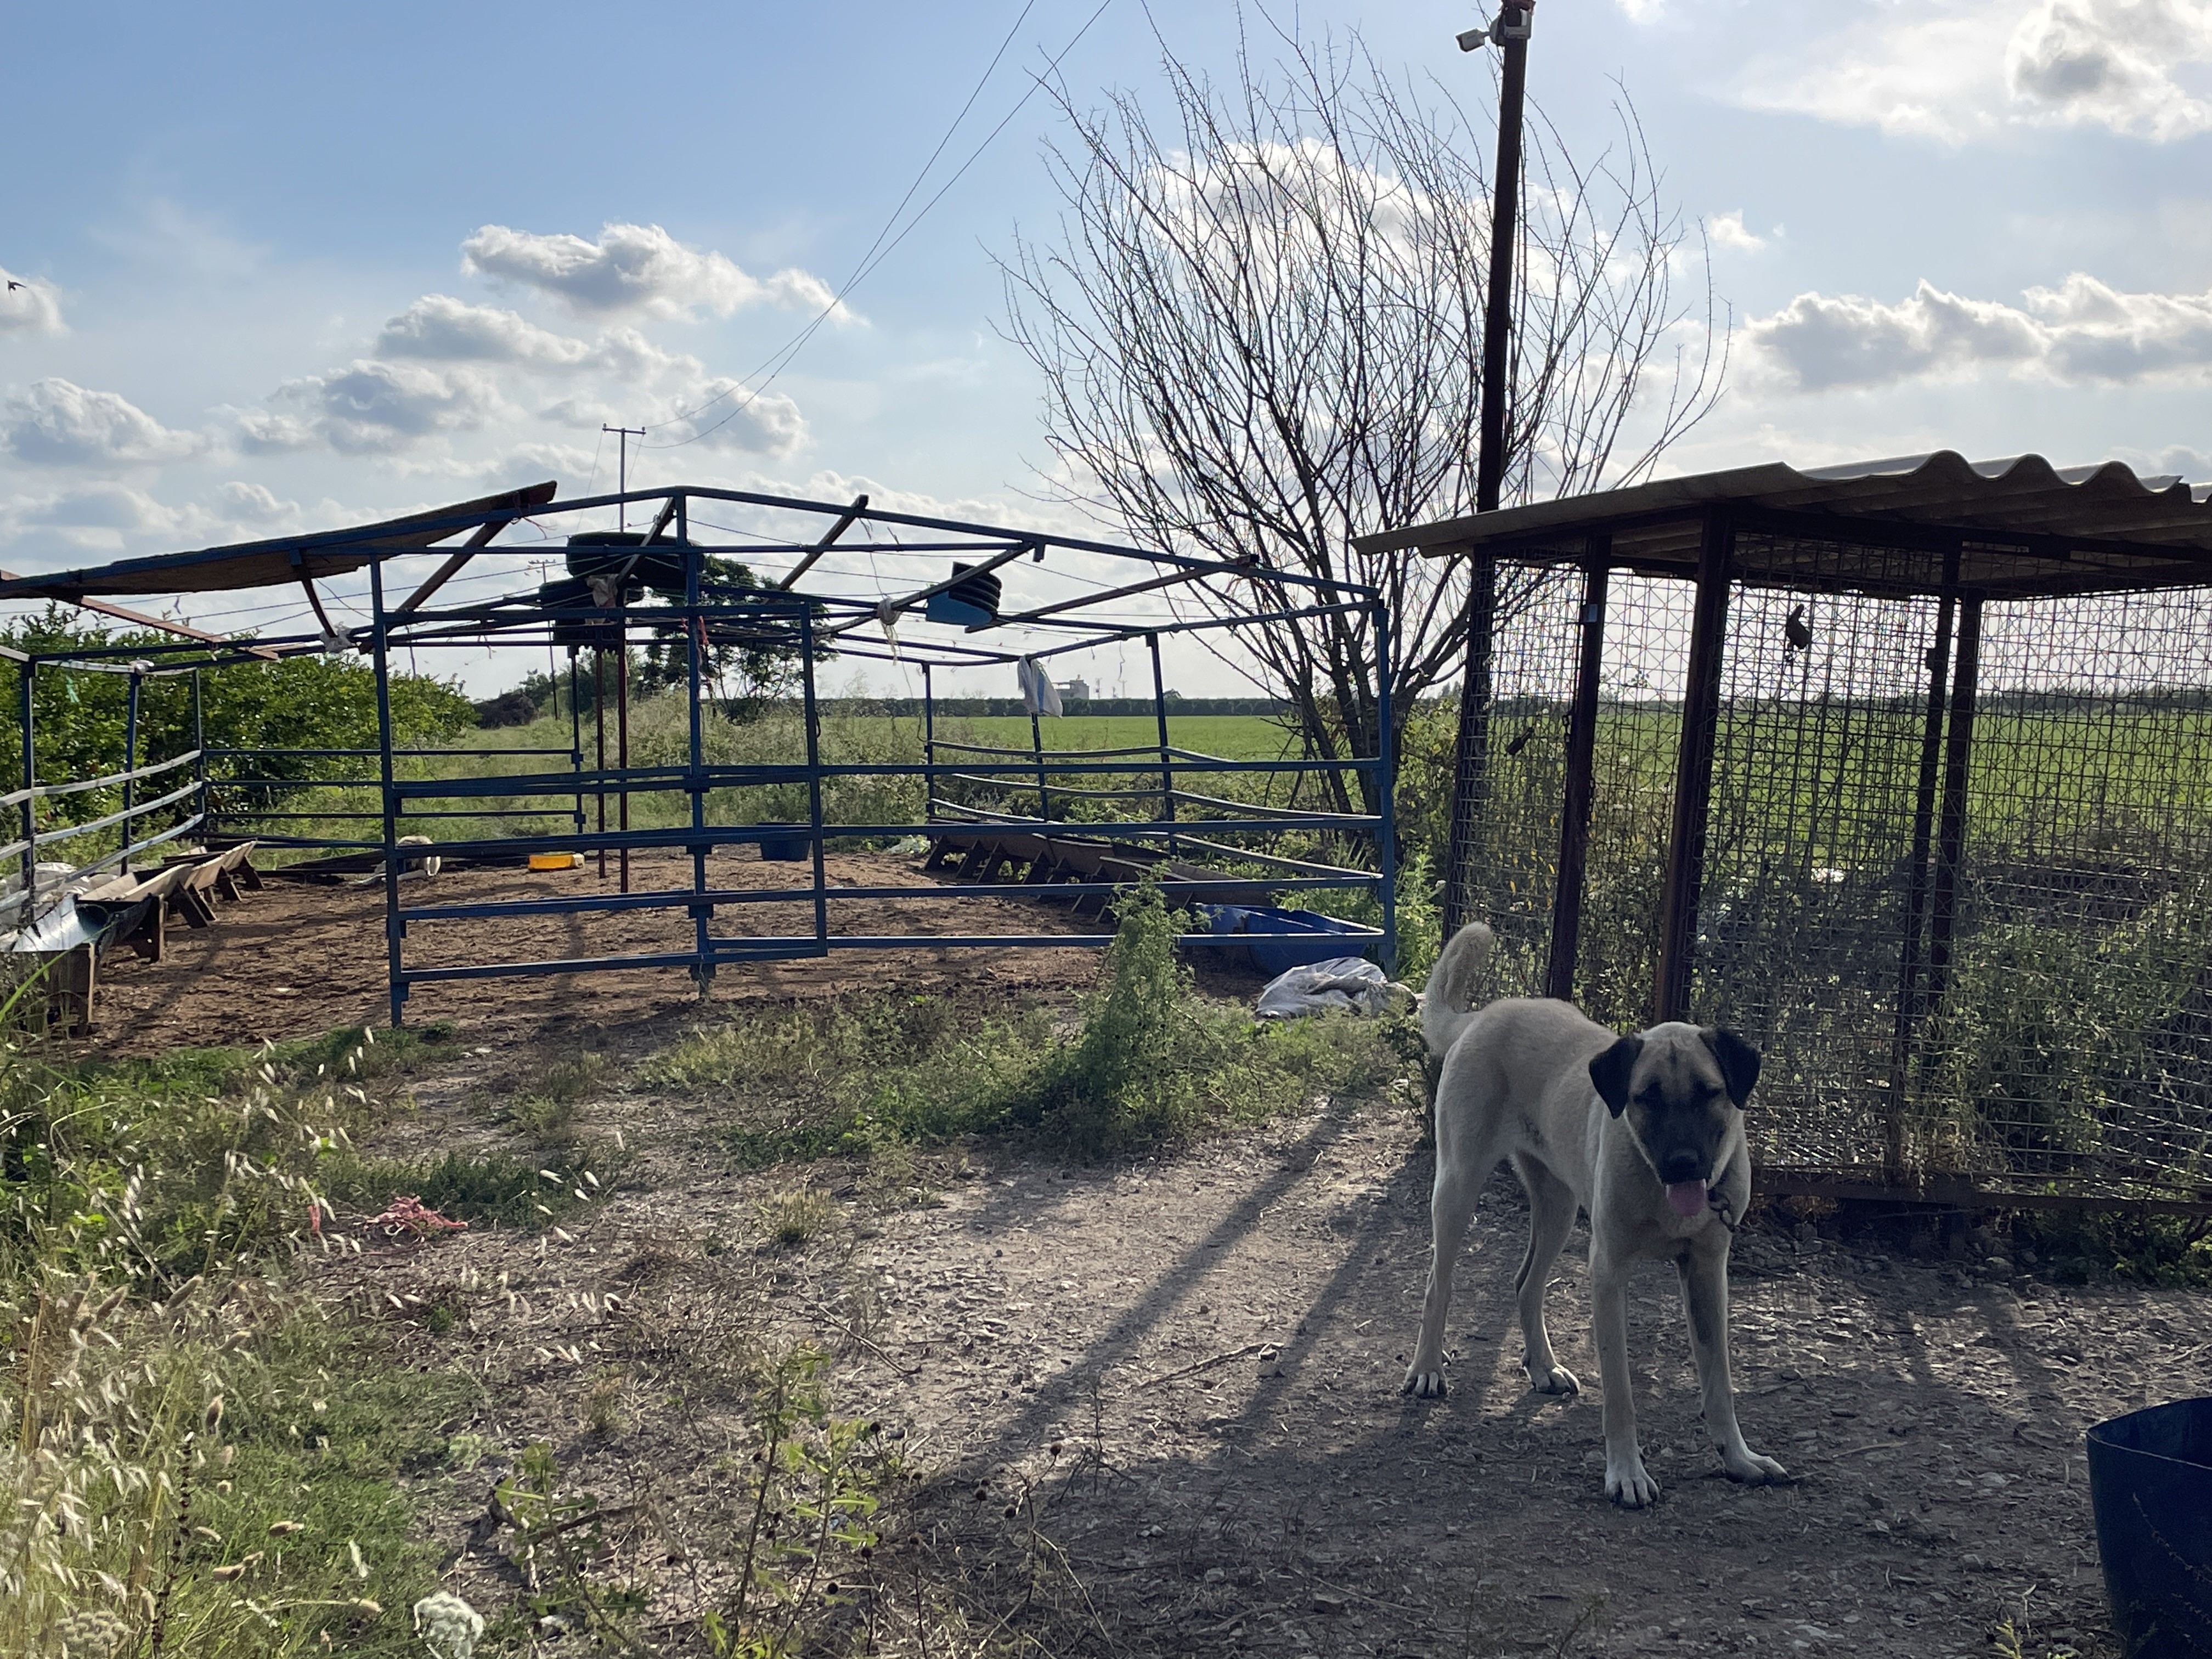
(1644, 1132)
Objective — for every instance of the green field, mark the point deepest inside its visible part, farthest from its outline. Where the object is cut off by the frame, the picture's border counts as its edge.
(1232, 737)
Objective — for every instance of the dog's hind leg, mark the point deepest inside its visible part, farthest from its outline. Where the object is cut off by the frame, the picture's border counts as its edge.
(1550, 1219)
(1451, 1207)
(1704, 1295)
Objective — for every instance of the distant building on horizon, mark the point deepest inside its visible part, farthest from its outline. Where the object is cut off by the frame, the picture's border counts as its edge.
(1075, 691)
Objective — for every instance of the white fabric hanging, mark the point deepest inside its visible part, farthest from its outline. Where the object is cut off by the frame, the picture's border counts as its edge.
(1039, 694)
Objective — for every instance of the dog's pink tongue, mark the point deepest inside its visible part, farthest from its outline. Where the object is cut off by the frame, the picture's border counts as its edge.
(1688, 1198)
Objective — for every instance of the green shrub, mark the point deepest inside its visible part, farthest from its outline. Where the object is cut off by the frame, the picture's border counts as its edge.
(1152, 1062)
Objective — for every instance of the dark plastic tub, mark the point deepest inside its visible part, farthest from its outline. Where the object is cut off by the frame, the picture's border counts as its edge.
(1279, 940)
(2150, 1480)
(784, 849)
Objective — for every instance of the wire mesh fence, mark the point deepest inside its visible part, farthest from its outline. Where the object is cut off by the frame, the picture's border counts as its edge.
(1957, 880)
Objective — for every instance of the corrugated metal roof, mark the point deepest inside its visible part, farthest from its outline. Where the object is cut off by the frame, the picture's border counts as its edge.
(271, 563)
(2031, 525)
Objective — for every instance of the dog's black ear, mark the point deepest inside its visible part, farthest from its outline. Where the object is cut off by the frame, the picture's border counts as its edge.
(1610, 1070)
(1738, 1060)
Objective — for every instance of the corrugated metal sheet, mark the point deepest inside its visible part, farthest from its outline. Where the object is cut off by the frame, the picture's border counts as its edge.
(2060, 529)
(271, 563)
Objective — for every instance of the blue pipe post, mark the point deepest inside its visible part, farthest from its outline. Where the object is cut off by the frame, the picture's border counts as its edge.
(814, 775)
(394, 929)
(928, 746)
(130, 762)
(575, 740)
(1385, 827)
(694, 651)
(25, 686)
(1167, 762)
(199, 763)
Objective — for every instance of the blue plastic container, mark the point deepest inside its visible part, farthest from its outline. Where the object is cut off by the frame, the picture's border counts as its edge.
(1278, 940)
(2150, 1482)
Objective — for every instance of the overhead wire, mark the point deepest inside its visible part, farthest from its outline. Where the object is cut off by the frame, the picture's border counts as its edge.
(778, 361)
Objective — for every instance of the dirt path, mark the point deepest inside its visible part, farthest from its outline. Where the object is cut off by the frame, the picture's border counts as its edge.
(1181, 1378)
(296, 960)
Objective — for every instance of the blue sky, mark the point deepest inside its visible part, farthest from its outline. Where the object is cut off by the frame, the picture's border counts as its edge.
(299, 266)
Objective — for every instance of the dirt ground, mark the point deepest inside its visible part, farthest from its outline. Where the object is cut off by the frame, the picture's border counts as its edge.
(1174, 1383)
(296, 959)
(1181, 1374)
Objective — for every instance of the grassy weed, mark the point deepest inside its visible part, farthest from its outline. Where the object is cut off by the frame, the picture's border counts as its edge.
(1152, 1063)
(193, 1463)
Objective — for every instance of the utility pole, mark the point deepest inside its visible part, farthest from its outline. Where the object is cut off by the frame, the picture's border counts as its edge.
(623, 436)
(1509, 31)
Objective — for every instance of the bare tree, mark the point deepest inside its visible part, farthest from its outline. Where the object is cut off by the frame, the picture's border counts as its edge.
(1260, 329)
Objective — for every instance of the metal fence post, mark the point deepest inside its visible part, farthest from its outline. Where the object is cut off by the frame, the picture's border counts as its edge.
(1167, 761)
(1471, 753)
(130, 762)
(1693, 771)
(695, 651)
(200, 765)
(394, 929)
(814, 775)
(928, 747)
(1385, 827)
(1581, 752)
(26, 686)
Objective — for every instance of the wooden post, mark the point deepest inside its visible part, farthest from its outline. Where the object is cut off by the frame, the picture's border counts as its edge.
(1951, 832)
(1471, 754)
(1694, 770)
(1582, 748)
(1915, 894)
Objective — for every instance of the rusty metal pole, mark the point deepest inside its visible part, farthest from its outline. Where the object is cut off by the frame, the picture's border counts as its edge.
(1471, 757)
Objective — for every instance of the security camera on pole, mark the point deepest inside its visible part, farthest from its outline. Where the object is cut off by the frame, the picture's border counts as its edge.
(1509, 31)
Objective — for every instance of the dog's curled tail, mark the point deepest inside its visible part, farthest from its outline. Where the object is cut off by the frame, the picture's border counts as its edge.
(1449, 998)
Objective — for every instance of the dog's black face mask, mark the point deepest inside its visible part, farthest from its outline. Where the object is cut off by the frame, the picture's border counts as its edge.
(1679, 1096)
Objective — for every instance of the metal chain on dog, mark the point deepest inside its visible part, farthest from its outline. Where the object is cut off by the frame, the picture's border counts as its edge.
(1721, 1209)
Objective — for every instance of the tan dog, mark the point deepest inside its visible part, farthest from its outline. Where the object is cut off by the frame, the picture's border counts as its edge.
(1644, 1132)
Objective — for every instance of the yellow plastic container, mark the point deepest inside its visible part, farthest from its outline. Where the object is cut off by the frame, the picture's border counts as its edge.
(556, 860)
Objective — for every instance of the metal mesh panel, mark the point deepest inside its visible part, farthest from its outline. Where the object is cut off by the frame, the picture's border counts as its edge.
(1957, 878)
(1510, 840)
(1802, 920)
(1639, 727)
(2071, 1038)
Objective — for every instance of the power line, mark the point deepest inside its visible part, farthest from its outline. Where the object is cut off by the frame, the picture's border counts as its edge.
(891, 218)
(781, 360)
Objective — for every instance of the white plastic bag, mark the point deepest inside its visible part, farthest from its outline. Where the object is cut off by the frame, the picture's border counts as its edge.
(1344, 983)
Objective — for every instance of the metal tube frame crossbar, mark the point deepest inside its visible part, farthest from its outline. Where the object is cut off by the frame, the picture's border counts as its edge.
(965, 786)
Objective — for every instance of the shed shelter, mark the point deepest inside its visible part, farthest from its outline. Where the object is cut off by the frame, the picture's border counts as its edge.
(1902, 767)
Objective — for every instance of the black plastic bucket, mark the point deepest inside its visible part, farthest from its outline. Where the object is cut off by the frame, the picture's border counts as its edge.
(2150, 1479)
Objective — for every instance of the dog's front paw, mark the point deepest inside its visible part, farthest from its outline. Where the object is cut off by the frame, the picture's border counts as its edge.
(1553, 1379)
(1628, 1484)
(1748, 1467)
(1425, 1383)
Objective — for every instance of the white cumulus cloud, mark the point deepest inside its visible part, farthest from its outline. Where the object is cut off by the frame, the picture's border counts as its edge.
(26, 305)
(635, 269)
(2083, 331)
(59, 421)
(726, 417)
(1962, 70)
(2110, 63)
(373, 408)
(1727, 230)
(438, 327)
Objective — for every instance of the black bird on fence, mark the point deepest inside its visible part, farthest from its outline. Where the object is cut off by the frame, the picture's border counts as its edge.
(1793, 630)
